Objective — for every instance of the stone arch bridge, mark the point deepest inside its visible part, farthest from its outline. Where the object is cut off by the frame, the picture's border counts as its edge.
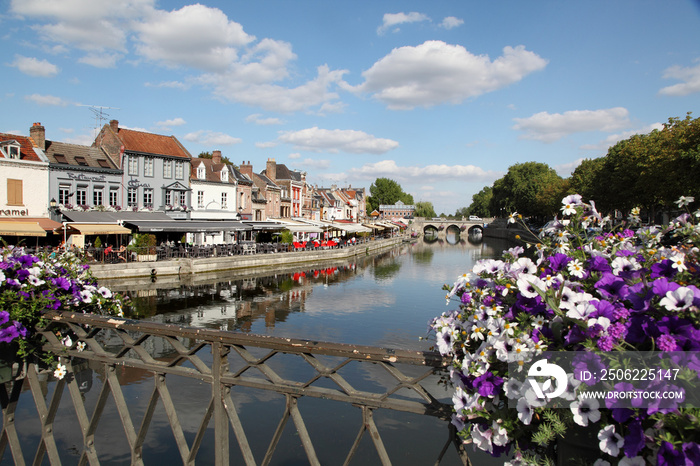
(442, 226)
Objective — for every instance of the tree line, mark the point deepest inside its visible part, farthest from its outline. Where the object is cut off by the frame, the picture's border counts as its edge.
(650, 171)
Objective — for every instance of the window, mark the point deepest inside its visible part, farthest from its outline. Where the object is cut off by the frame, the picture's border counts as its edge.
(131, 198)
(81, 161)
(200, 199)
(224, 197)
(169, 198)
(97, 196)
(103, 163)
(14, 192)
(60, 158)
(64, 194)
(133, 165)
(179, 170)
(167, 169)
(183, 198)
(113, 197)
(224, 174)
(148, 166)
(13, 152)
(201, 172)
(81, 195)
(148, 197)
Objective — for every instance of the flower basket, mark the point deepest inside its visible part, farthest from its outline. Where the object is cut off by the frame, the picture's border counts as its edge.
(559, 350)
(31, 285)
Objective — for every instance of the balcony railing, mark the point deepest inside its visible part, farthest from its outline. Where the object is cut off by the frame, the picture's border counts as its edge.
(220, 362)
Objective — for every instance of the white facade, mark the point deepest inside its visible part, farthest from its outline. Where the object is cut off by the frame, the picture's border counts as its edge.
(34, 180)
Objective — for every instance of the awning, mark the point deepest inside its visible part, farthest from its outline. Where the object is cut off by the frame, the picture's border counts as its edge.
(46, 223)
(349, 227)
(98, 228)
(186, 226)
(13, 228)
(112, 216)
(374, 226)
(265, 226)
(300, 227)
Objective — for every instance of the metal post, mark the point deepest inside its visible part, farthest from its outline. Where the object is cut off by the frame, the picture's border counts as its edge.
(221, 450)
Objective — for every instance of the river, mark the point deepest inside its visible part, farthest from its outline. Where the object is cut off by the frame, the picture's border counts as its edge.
(383, 300)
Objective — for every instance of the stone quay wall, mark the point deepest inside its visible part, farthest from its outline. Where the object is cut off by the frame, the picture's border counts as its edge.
(190, 266)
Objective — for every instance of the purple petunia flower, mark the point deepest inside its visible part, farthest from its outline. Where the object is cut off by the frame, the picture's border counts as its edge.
(4, 317)
(634, 440)
(663, 268)
(559, 261)
(487, 384)
(612, 287)
(61, 282)
(669, 456)
(9, 333)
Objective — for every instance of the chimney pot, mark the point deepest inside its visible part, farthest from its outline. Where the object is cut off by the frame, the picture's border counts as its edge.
(216, 156)
(38, 135)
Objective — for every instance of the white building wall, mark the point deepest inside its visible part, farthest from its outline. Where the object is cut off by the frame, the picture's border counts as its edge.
(212, 208)
(35, 188)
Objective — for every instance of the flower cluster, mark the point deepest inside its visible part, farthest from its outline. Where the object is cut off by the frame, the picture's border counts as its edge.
(586, 285)
(31, 285)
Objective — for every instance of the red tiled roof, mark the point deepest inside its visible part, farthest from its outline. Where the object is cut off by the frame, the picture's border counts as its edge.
(150, 143)
(26, 146)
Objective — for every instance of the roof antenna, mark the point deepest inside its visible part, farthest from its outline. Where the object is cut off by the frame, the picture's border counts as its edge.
(100, 115)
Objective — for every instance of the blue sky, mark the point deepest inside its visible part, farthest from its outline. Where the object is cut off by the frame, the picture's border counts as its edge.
(440, 96)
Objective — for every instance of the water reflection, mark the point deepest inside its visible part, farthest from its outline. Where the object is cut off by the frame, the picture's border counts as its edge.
(382, 300)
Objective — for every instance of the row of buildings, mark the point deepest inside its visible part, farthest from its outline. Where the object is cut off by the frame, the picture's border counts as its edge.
(134, 180)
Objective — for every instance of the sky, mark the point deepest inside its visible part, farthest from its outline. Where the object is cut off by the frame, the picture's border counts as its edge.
(440, 96)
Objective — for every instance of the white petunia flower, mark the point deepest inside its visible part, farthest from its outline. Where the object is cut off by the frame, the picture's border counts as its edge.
(525, 411)
(585, 411)
(678, 299)
(528, 285)
(684, 201)
(482, 438)
(610, 442)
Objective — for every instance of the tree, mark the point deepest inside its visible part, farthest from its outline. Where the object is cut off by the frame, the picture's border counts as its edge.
(386, 191)
(530, 188)
(425, 209)
(224, 159)
(480, 204)
(583, 179)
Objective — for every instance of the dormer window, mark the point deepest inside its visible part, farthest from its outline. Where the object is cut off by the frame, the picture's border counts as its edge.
(224, 175)
(11, 149)
(81, 161)
(60, 158)
(201, 172)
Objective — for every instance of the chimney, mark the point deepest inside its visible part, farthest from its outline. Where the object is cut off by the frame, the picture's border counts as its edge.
(216, 156)
(246, 169)
(38, 134)
(114, 124)
(271, 170)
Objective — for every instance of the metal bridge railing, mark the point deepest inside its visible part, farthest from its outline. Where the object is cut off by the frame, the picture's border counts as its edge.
(223, 361)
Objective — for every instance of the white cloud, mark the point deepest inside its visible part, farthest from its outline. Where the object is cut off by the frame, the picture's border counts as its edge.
(389, 168)
(48, 100)
(167, 124)
(34, 67)
(211, 138)
(315, 164)
(266, 145)
(435, 73)
(101, 60)
(195, 36)
(294, 155)
(550, 127)
(170, 85)
(690, 77)
(337, 140)
(394, 19)
(451, 22)
(613, 139)
(259, 120)
(240, 86)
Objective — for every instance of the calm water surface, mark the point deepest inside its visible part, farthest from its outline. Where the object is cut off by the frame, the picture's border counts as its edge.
(381, 300)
